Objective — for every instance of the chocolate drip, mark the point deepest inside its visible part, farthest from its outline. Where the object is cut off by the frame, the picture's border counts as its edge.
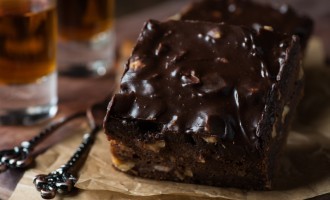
(201, 78)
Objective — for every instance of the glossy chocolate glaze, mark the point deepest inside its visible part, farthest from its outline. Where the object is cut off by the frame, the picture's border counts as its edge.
(246, 12)
(201, 78)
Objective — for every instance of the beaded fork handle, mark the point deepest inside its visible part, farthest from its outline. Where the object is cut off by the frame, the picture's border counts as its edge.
(22, 156)
(63, 179)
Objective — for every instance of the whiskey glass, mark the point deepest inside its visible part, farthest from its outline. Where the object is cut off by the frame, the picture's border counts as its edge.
(86, 37)
(28, 77)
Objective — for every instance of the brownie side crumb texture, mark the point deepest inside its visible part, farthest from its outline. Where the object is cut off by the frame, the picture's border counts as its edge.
(282, 18)
(205, 103)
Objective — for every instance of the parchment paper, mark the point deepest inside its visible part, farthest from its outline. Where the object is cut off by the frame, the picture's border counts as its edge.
(304, 170)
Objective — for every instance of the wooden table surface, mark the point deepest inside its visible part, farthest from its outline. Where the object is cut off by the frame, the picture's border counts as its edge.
(78, 93)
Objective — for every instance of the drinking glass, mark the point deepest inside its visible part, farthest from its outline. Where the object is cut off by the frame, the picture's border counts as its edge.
(28, 78)
(86, 36)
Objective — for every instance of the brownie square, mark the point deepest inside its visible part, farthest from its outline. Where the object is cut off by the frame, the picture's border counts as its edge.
(205, 103)
(245, 12)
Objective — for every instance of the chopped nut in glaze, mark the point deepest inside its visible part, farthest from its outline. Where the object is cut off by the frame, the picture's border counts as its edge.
(190, 79)
(268, 28)
(214, 33)
(136, 65)
(210, 139)
(222, 60)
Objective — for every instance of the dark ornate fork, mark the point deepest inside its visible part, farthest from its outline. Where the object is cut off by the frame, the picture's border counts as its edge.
(22, 156)
(63, 179)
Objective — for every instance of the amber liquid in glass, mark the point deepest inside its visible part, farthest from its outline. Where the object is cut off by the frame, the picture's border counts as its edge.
(27, 42)
(81, 20)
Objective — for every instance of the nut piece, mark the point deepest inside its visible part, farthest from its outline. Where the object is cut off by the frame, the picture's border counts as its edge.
(175, 17)
(190, 79)
(155, 147)
(274, 131)
(268, 28)
(222, 60)
(200, 159)
(210, 139)
(188, 172)
(214, 33)
(122, 165)
(123, 148)
(162, 168)
(136, 64)
(286, 110)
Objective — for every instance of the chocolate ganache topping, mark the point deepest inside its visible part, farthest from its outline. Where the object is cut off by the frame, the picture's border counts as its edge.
(256, 15)
(201, 78)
